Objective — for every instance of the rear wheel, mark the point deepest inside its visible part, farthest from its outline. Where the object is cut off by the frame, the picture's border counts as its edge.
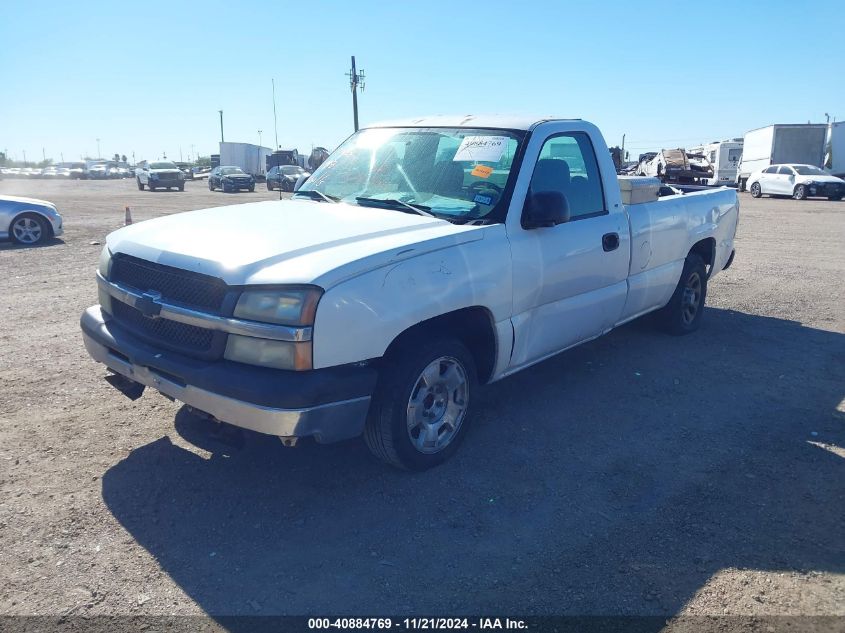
(140, 184)
(756, 191)
(269, 186)
(800, 193)
(181, 187)
(682, 315)
(834, 198)
(420, 410)
(29, 229)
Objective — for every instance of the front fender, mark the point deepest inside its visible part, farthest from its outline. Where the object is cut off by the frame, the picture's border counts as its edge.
(359, 318)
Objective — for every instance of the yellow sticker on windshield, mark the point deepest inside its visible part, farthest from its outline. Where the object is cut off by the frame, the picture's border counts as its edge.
(481, 171)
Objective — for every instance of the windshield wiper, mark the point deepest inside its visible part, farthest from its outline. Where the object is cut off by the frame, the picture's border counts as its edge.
(393, 203)
(316, 195)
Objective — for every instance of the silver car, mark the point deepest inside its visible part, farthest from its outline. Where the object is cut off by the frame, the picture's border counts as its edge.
(28, 221)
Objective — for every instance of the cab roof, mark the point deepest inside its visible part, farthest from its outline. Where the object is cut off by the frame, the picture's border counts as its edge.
(496, 121)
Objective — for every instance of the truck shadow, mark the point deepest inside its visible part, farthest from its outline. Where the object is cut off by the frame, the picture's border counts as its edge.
(615, 479)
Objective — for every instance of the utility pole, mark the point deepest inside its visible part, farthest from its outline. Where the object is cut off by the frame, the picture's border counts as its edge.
(24, 158)
(193, 153)
(43, 155)
(98, 148)
(356, 81)
(221, 125)
(623, 150)
(275, 121)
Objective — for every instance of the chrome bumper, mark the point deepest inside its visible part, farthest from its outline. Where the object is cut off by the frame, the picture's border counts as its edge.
(326, 422)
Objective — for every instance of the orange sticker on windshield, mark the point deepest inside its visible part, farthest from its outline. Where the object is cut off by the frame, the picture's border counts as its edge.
(481, 171)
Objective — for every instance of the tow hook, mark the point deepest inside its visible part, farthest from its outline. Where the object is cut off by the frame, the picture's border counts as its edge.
(288, 440)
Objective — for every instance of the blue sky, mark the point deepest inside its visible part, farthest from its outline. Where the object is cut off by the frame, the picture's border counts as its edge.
(150, 76)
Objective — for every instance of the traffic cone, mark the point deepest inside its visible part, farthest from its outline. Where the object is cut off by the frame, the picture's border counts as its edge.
(127, 217)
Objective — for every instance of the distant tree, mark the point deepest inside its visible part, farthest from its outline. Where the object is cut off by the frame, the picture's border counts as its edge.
(2, 158)
(203, 161)
(123, 158)
(116, 158)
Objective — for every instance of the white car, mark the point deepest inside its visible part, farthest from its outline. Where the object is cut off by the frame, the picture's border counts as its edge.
(798, 181)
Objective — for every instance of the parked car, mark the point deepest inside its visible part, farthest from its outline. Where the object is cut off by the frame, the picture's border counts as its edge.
(284, 177)
(76, 170)
(419, 261)
(230, 178)
(159, 175)
(98, 171)
(28, 221)
(51, 171)
(798, 181)
(186, 169)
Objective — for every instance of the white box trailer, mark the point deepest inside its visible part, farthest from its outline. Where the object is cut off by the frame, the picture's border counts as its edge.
(801, 143)
(251, 158)
(834, 160)
(723, 157)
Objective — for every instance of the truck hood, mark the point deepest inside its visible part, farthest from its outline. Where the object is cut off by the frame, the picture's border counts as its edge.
(288, 241)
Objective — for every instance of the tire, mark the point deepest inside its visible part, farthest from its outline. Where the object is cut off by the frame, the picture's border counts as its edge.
(403, 388)
(140, 184)
(834, 198)
(269, 186)
(181, 187)
(210, 186)
(682, 315)
(251, 189)
(800, 193)
(756, 191)
(29, 229)
(150, 187)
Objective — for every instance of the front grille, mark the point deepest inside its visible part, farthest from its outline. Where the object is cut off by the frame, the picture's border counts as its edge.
(174, 284)
(179, 335)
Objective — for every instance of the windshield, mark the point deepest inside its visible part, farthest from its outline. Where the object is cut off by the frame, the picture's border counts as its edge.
(231, 170)
(455, 173)
(807, 170)
(292, 170)
(163, 166)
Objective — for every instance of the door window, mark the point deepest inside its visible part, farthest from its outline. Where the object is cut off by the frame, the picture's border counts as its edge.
(785, 171)
(567, 164)
(770, 170)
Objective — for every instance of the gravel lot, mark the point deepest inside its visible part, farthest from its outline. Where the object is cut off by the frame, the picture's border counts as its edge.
(637, 474)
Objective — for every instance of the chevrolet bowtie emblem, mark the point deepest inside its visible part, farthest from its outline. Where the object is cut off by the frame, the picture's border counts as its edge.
(148, 304)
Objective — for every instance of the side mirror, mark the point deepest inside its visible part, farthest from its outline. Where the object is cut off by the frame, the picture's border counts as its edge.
(545, 209)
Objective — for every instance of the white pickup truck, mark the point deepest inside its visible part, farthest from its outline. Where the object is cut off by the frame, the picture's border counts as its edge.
(421, 259)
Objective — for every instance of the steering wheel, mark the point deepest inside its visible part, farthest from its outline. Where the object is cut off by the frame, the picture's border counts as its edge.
(481, 184)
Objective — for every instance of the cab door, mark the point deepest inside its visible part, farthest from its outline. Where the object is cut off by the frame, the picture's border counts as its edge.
(570, 280)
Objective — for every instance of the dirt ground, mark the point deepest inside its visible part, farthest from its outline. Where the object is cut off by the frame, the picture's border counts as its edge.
(637, 474)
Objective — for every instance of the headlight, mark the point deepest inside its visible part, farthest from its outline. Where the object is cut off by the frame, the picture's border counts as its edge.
(295, 306)
(104, 268)
(104, 265)
(267, 353)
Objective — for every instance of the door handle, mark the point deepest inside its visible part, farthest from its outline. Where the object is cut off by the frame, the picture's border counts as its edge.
(610, 242)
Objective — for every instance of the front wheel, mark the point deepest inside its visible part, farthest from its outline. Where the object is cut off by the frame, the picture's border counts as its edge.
(420, 410)
(140, 184)
(252, 188)
(29, 229)
(756, 191)
(800, 193)
(181, 187)
(682, 315)
(269, 186)
(210, 186)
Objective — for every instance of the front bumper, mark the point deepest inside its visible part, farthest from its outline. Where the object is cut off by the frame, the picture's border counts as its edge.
(329, 404)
